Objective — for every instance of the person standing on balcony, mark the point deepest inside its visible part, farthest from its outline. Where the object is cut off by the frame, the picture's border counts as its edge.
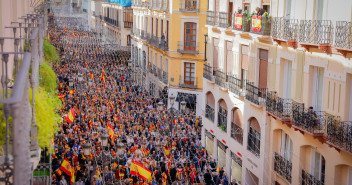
(260, 11)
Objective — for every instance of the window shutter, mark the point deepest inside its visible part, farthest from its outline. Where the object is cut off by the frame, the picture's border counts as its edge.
(215, 53)
(263, 73)
(229, 58)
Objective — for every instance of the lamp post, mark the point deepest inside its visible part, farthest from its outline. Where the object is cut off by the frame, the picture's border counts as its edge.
(104, 140)
(86, 149)
(70, 82)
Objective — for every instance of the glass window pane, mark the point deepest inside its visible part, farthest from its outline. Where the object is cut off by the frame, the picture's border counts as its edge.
(187, 43)
(187, 78)
(193, 74)
(188, 25)
(187, 37)
(193, 37)
(193, 44)
(194, 25)
(194, 32)
(188, 31)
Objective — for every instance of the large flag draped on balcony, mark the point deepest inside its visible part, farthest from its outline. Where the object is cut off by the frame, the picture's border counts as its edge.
(256, 23)
(121, 2)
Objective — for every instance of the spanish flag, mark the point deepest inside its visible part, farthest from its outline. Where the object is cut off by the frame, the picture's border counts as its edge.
(140, 170)
(111, 132)
(102, 78)
(72, 179)
(58, 171)
(167, 151)
(70, 116)
(66, 167)
(91, 75)
(60, 96)
(71, 91)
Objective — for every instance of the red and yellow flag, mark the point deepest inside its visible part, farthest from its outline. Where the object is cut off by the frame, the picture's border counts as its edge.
(70, 116)
(140, 170)
(111, 132)
(66, 167)
(72, 179)
(91, 75)
(58, 171)
(167, 151)
(60, 96)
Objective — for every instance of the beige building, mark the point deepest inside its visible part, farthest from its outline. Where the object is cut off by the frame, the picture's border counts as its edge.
(277, 91)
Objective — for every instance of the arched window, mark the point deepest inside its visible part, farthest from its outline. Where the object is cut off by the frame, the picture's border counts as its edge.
(254, 137)
(210, 106)
(222, 115)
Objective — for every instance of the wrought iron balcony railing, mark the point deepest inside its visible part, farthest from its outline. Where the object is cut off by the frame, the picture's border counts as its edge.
(188, 82)
(283, 167)
(242, 22)
(263, 27)
(165, 77)
(189, 5)
(316, 32)
(210, 18)
(188, 47)
(282, 108)
(142, 34)
(285, 29)
(343, 36)
(221, 79)
(308, 179)
(163, 44)
(165, 5)
(255, 94)
(155, 71)
(236, 86)
(111, 21)
(209, 112)
(148, 38)
(207, 72)
(339, 133)
(160, 74)
(223, 19)
(222, 119)
(314, 122)
(237, 132)
(155, 41)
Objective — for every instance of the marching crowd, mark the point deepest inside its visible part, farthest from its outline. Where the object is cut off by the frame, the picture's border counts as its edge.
(119, 120)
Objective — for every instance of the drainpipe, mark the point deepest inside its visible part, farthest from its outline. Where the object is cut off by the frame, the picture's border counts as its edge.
(205, 47)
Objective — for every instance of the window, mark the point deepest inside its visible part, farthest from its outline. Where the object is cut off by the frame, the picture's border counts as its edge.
(317, 94)
(190, 36)
(222, 116)
(287, 73)
(318, 166)
(156, 27)
(152, 26)
(263, 68)
(189, 73)
(244, 65)
(286, 146)
(191, 4)
(254, 137)
(221, 155)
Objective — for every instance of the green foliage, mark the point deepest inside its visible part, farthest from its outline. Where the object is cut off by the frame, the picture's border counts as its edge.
(246, 15)
(47, 77)
(46, 105)
(3, 127)
(50, 52)
(222, 127)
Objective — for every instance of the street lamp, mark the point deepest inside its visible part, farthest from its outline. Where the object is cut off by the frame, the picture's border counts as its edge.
(183, 106)
(80, 78)
(104, 140)
(70, 82)
(86, 149)
(90, 82)
(172, 100)
(160, 106)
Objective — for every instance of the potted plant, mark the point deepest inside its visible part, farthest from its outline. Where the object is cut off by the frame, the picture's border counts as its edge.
(266, 23)
(246, 21)
(223, 128)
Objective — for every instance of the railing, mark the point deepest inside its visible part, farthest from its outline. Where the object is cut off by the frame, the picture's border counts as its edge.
(253, 144)
(111, 21)
(155, 41)
(150, 68)
(236, 86)
(220, 79)
(188, 47)
(285, 29)
(343, 36)
(163, 44)
(155, 71)
(339, 133)
(148, 38)
(142, 34)
(255, 95)
(261, 25)
(189, 5)
(160, 74)
(156, 4)
(207, 72)
(222, 119)
(242, 22)
(314, 122)
(210, 18)
(308, 179)
(165, 77)
(316, 32)
(128, 17)
(209, 112)
(165, 5)
(279, 107)
(237, 132)
(188, 82)
(283, 167)
(223, 19)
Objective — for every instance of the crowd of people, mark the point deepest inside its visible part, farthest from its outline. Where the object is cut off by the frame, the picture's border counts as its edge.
(100, 99)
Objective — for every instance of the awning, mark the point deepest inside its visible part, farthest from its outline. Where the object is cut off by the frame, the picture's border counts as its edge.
(188, 98)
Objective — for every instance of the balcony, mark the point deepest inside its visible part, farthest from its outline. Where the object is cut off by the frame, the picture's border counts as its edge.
(285, 30)
(308, 120)
(148, 38)
(165, 5)
(128, 24)
(339, 133)
(220, 79)
(224, 19)
(150, 68)
(165, 77)
(222, 119)
(237, 132)
(189, 5)
(188, 82)
(261, 24)
(155, 70)
(343, 37)
(317, 32)
(308, 179)
(188, 47)
(111, 21)
(283, 167)
(209, 112)
(155, 41)
(255, 95)
(142, 34)
(236, 86)
(160, 74)
(208, 72)
(163, 44)
(242, 22)
(210, 18)
(278, 107)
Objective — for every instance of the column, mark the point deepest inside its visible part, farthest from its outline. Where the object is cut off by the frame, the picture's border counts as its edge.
(215, 150)
(228, 163)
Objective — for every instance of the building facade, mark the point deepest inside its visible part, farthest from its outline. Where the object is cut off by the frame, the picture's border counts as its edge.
(277, 90)
(168, 48)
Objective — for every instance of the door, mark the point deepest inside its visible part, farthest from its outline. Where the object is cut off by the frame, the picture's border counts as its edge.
(317, 94)
(189, 73)
(263, 68)
(230, 13)
(287, 79)
(244, 65)
(190, 36)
